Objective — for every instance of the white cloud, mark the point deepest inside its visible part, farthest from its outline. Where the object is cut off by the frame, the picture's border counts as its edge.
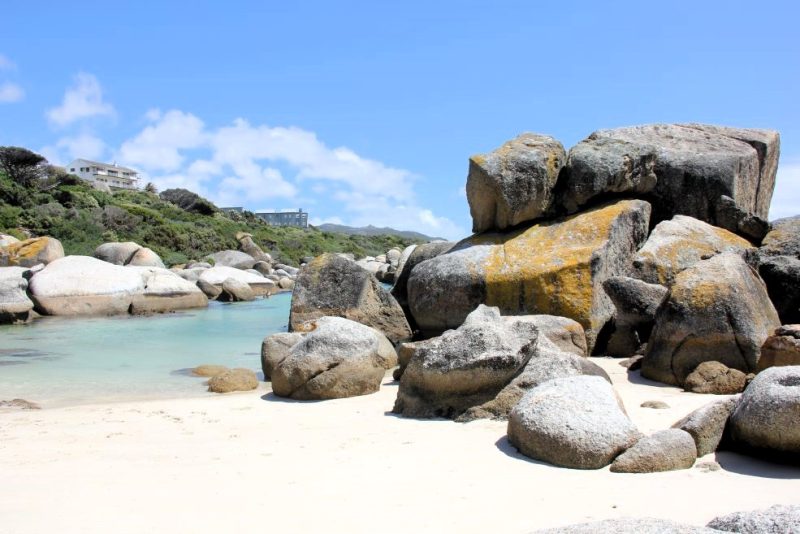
(68, 148)
(6, 64)
(786, 198)
(10, 92)
(82, 101)
(158, 146)
(243, 164)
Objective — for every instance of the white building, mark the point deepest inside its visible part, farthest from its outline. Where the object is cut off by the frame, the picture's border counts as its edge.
(113, 175)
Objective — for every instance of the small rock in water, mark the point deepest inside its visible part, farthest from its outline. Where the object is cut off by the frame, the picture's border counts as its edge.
(209, 370)
(22, 404)
(655, 404)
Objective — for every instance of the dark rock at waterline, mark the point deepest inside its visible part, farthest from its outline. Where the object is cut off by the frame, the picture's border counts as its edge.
(233, 380)
(336, 358)
(334, 286)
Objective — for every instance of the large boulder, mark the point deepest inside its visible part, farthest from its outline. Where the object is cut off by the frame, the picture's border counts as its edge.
(717, 310)
(707, 424)
(31, 252)
(234, 290)
(781, 348)
(417, 255)
(695, 166)
(599, 167)
(118, 253)
(629, 525)
(778, 519)
(334, 286)
(514, 183)
(275, 348)
(554, 356)
(15, 306)
(666, 450)
(338, 358)
(464, 367)
(677, 244)
(779, 266)
(217, 275)
(165, 291)
(144, 257)
(81, 285)
(233, 258)
(553, 268)
(767, 417)
(128, 253)
(575, 422)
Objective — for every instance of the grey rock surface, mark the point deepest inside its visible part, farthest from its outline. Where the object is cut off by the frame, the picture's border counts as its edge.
(666, 450)
(465, 367)
(679, 243)
(338, 358)
(707, 424)
(767, 417)
(234, 290)
(514, 183)
(717, 310)
(697, 165)
(14, 302)
(778, 519)
(779, 259)
(333, 286)
(575, 422)
(275, 348)
(118, 253)
(599, 167)
(629, 525)
(232, 258)
(635, 303)
(781, 348)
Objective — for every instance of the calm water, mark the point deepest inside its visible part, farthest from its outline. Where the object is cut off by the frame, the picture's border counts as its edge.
(64, 361)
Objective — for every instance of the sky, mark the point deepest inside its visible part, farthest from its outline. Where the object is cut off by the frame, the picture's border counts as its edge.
(366, 112)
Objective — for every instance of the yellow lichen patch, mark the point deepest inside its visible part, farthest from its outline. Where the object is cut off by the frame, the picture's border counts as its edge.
(684, 248)
(24, 250)
(547, 268)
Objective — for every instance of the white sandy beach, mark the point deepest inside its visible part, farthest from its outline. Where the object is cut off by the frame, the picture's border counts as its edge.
(252, 463)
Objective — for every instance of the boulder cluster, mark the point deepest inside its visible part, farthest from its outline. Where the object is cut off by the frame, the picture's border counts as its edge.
(649, 243)
(37, 278)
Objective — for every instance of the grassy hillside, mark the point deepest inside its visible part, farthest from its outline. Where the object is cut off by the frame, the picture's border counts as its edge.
(82, 218)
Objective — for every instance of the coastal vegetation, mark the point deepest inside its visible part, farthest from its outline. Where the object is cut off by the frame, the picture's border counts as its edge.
(177, 224)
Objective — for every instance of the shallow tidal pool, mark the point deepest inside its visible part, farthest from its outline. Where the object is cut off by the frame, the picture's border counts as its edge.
(57, 361)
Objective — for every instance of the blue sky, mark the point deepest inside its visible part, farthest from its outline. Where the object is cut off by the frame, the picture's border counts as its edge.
(366, 112)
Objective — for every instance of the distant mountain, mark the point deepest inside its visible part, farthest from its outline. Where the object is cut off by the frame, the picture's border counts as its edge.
(374, 230)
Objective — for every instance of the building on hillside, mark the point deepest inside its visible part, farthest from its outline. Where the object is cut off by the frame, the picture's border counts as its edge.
(298, 219)
(110, 174)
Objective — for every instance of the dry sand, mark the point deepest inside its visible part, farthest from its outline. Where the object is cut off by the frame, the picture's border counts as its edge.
(250, 462)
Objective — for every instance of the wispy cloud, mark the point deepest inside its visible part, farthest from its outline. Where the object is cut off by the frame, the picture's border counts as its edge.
(10, 93)
(242, 164)
(84, 100)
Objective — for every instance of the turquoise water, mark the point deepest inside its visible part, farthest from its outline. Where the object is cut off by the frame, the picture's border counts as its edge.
(65, 361)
